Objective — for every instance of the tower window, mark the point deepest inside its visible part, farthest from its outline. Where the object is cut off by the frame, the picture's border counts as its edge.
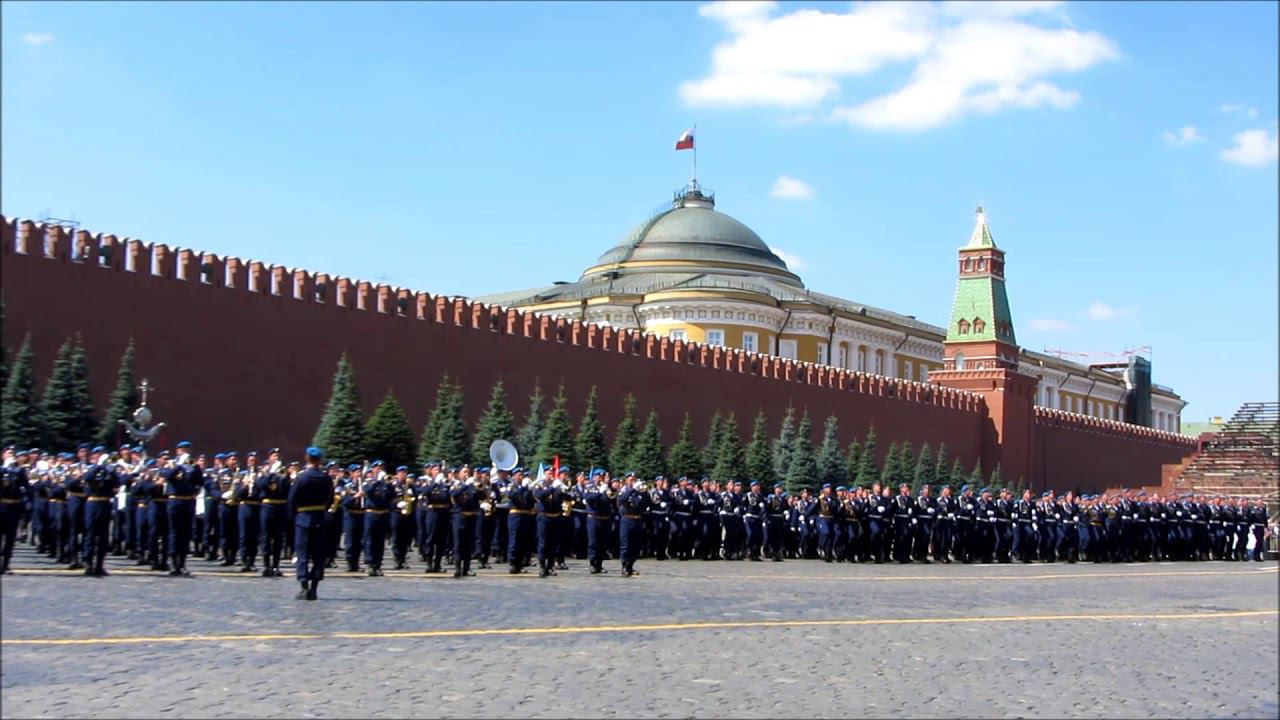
(979, 326)
(968, 264)
(963, 327)
(982, 264)
(959, 360)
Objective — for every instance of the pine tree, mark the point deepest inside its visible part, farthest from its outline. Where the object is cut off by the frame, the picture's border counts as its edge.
(84, 420)
(388, 435)
(59, 403)
(590, 446)
(906, 465)
(124, 399)
(759, 453)
(496, 423)
(531, 432)
(803, 470)
(975, 477)
(785, 443)
(957, 474)
(684, 459)
(711, 450)
(430, 439)
(557, 436)
(21, 416)
(830, 458)
(868, 470)
(732, 463)
(853, 461)
(997, 479)
(4, 351)
(341, 430)
(625, 437)
(889, 473)
(926, 469)
(646, 459)
(453, 443)
(941, 472)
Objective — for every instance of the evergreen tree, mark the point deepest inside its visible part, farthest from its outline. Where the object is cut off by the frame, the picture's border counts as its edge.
(684, 458)
(926, 469)
(21, 416)
(853, 461)
(711, 451)
(4, 351)
(732, 463)
(124, 399)
(906, 465)
(59, 403)
(830, 458)
(590, 444)
(646, 459)
(496, 423)
(625, 438)
(996, 477)
(388, 435)
(759, 453)
(531, 432)
(453, 443)
(976, 477)
(785, 443)
(803, 470)
(430, 440)
(942, 467)
(868, 470)
(957, 474)
(341, 430)
(889, 473)
(557, 436)
(84, 420)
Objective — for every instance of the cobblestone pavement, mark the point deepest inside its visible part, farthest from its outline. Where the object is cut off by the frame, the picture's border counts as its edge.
(684, 639)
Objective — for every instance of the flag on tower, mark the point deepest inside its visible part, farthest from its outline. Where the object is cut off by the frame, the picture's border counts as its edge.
(686, 141)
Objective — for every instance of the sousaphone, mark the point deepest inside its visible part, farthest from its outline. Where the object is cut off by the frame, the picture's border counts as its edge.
(504, 455)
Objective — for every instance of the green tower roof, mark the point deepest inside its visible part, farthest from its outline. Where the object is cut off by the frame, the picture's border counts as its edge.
(981, 237)
(981, 308)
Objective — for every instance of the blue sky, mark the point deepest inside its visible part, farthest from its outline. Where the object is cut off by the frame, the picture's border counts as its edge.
(1125, 153)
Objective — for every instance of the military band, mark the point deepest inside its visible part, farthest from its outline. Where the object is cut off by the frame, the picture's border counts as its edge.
(76, 509)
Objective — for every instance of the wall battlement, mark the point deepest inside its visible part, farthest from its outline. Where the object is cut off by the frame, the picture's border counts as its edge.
(1049, 417)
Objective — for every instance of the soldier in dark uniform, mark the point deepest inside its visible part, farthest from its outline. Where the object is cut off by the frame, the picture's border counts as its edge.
(753, 515)
(599, 504)
(984, 527)
(248, 496)
(402, 503)
(422, 508)
(226, 489)
(550, 507)
(775, 527)
(904, 522)
(520, 523)
(334, 516)
(439, 505)
(377, 506)
(658, 516)
(498, 541)
(632, 504)
(351, 503)
(578, 518)
(1023, 514)
(682, 522)
(1258, 525)
(100, 482)
(13, 492)
(466, 506)
(926, 516)
(121, 516)
(879, 514)
(1069, 528)
(485, 519)
(827, 517)
(74, 509)
(1003, 527)
(709, 531)
(181, 480)
(944, 527)
(213, 508)
(730, 514)
(309, 497)
(272, 487)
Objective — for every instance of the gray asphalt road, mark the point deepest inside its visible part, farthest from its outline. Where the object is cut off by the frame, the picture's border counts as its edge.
(684, 639)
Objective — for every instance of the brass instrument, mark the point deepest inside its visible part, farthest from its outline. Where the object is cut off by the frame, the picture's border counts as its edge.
(406, 502)
(566, 505)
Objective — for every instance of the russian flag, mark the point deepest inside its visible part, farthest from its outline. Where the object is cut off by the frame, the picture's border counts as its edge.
(686, 141)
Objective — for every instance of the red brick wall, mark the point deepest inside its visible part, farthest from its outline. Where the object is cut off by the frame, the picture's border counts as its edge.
(1091, 455)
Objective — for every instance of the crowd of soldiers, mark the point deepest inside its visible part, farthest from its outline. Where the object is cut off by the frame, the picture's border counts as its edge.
(239, 511)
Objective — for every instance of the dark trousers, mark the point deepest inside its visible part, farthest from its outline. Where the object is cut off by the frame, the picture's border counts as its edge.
(161, 541)
(775, 533)
(924, 533)
(464, 538)
(212, 525)
(581, 533)
(273, 527)
(181, 513)
(375, 538)
(353, 529)
(309, 542)
(229, 519)
(10, 517)
(250, 533)
(755, 536)
(498, 541)
(597, 539)
(681, 535)
(901, 539)
(74, 526)
(630, 540)
(97, 532)
(942, 534)
(548, 535)
(40, 524)
(401, 536)
(520, 532)
(659, 534)
(875, 539)
(484, 536)
(709, 535)
(420, 530)
(826, 538)
(142, 531)
(437, 535)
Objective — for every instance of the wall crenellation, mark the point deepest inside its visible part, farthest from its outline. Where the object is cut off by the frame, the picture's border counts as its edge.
(1086, 423)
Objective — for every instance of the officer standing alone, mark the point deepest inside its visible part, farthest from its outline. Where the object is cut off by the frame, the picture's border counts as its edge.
(309, 498)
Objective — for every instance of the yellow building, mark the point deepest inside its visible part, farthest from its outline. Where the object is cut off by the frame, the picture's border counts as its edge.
(692, 272)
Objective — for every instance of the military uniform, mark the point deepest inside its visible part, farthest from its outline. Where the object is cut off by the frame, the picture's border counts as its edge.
(377, 507)
(632, 505)
(466, 507)
(272, 487)
(550, 508)
(309, 497)
(13, 492)
(520, 525)
(101, 482)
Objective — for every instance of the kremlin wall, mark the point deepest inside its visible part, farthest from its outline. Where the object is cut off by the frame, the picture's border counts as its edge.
(241, 356)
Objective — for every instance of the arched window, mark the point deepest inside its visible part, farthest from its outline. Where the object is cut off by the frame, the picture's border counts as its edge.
(879, 362)
(982, 264)
(862, 358)
(979, 326)
(959, 361)
(963, 326)
(968, 264)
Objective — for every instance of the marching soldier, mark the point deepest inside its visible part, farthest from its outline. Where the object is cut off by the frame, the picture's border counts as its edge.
(402, 529)
(944, 527)
(632, 504)
(1003, 527)
(74, 509)
(309, 497)
(754, 511)
(926, 516)
(658, 516)
(708, 521)
(100, 482)
(272, 487)
(599, 504)
(550, 508)
(775, 523)
(438, 505)
(520, 523)
(181, 481)
(904, 522)
(248, 509)
(13, 491)
(377, 506)
(466, 506)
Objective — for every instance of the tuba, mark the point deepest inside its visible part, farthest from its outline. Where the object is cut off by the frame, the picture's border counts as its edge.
(504, 455)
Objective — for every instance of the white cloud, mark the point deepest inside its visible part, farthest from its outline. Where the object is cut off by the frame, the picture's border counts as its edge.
(1183, 136)
(1239, 108)
(969, 58)
(1253, 148)
(794, 262)
(1099, 310)
(38, 38)
(1049, 325)
(789, 188)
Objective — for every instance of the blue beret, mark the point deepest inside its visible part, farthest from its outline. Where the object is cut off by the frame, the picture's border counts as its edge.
(1044, 494)
(232, 453)
(658, 477)
(82, 446)
(565, 469)
(99, 448)
(518, 469)
(755, 483)
(376, 463)
(1142, 493)
(986, 490)
(184, 444)
(353, 466)
(402, 468)
(330, 464)
(453, 469)
(151, 463)
(964, 488)
(123, 448)
(273, 450)
(598, 471)
(315, 452)
(483, 469)
(219, 456)
(841, 488)
(826, 486)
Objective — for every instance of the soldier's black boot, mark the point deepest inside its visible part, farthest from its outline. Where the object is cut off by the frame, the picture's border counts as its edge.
(543, 571)
(457, 571)
(302, 594)
(311, 590)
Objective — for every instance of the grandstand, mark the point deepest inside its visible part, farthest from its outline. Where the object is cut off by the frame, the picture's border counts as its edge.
(1243, 459)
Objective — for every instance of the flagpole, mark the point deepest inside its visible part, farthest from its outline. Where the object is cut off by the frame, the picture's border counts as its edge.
(695, 155)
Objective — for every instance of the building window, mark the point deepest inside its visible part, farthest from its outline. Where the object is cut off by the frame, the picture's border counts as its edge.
(715, 337)
(787, 349)
(906, 369)
(844, 356)
(879, 362)
(979, 326)
(968, 264)
(862, 358)
(678, 335)
(982, 264)
(1089, 407)
(959, 360)
(749, 340)
(822, 354)
(963, 326)
(924, 372)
